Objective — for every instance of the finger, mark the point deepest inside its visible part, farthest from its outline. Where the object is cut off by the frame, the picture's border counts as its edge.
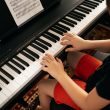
(50, 57)
(59, 60)
(47, 58)
(45, 63)
(44, 68)
(39, 107)
(66, 42)
(73, 34)
(67, 38)
(70, 49)
(68, 34)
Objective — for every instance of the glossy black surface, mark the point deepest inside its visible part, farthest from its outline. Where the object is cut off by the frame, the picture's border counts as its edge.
(16, 41)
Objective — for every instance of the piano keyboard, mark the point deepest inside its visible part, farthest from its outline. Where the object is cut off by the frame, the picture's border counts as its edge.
(17, 72)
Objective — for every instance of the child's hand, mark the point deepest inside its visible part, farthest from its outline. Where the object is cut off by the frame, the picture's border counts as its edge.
(75, 41)
(53, 66)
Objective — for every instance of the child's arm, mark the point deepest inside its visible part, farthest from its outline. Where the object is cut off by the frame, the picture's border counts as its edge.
(78, 43)
(85, 101)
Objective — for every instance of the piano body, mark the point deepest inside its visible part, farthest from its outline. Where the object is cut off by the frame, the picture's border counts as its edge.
(22, 51)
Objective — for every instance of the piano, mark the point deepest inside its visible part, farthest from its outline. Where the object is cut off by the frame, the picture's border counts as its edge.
(22, 52)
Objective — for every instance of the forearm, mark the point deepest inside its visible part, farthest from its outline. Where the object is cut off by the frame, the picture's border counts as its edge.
(100, 45)
(86, 101)
(77, 94)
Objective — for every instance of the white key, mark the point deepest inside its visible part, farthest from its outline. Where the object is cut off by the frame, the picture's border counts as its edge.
(24, 58)
(4, 76)
(71, 19)
(34, 50)
(28, 72)
(32, 70)
(51, 49)
(80, 27)
(81, 12)
(10, 71)
(87, 7)
(94, 1)
(19, 62)
(19, 79)
(3, 99)
(41, 43)
(12, 86)
(5, 91)
(28, 53)
(15, 66)
(23, 75)
(65, 24)
(54, 33)
(38, 46)
(47, 40)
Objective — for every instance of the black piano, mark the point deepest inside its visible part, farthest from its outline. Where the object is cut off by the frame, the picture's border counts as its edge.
(24, 43)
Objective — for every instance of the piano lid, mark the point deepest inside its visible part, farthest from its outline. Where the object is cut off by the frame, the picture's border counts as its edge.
(16, 13)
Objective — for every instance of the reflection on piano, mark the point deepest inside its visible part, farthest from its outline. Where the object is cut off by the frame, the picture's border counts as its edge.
(25, 65)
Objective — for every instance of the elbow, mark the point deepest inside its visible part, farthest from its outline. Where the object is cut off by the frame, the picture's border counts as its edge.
(86, 104)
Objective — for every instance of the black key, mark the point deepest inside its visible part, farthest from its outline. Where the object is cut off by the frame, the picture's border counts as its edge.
(78, 18)
(13, 68)
(44, 42)
(50, 38)
(82, 10)
(41, 45)
(22, 61)
(59, 28)
(0, 88)
(88, 5)
(32, 53)
(28, 56)
(4, 80)
(100, 1)
(64, 27)
(17, 64)
(89, 10)
(74, 17)
(7, 74)
(53, 36)
(66, 22)
(71, 21)
(92, 3)
(38, 48)
(78, 13)
(56, 30)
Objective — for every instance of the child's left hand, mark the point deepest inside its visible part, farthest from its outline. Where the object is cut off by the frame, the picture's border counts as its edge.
(53, 66)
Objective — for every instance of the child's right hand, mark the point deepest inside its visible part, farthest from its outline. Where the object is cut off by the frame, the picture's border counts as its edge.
(75, 41)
